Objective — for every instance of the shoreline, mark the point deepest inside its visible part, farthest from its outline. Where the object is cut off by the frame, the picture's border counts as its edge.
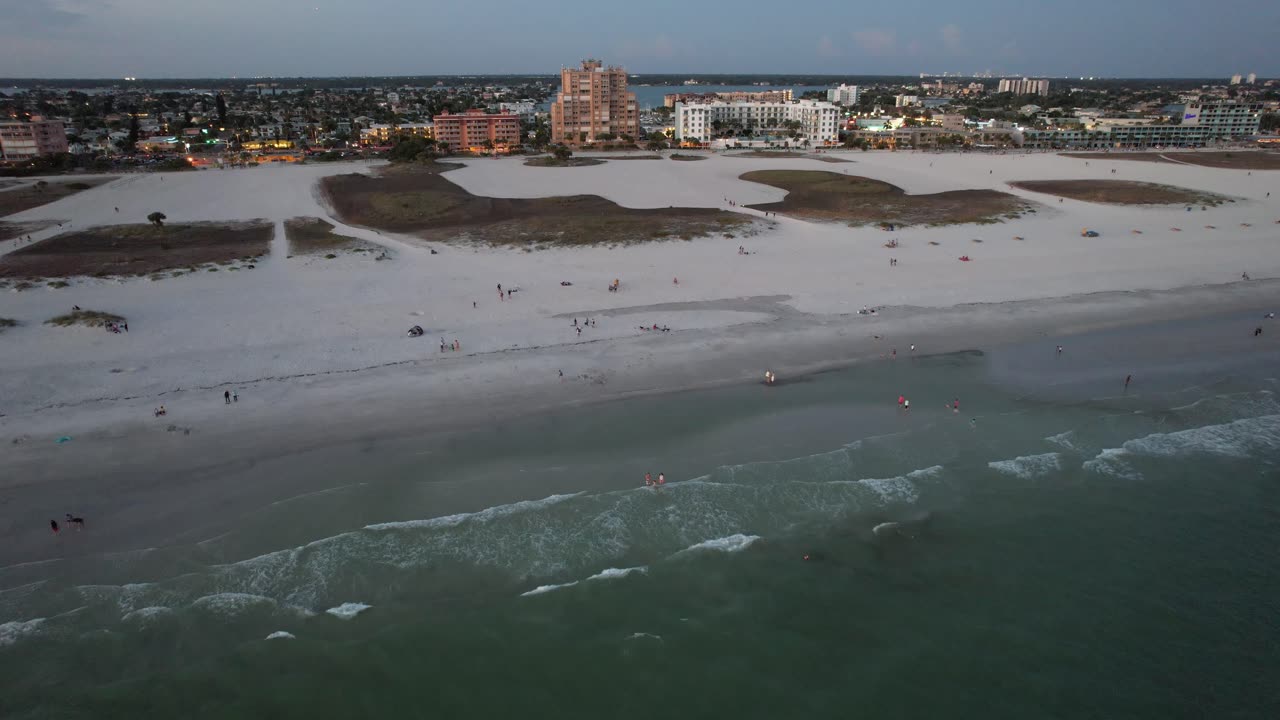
(152, 480)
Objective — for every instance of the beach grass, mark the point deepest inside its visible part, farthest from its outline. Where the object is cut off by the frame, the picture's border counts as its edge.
(312, 235)
(1228, 160)
(33, 195)
(6, 323)
(420, 201)
(553, 161)
(88, 318)
(822, 195)
(131, 250)
(1121, 192)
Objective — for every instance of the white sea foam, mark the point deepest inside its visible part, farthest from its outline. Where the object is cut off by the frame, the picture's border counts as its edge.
(281, 635)
(146, 614)
(1112, 462)
(1028, 467)
(731, 544)
(486, 515)
(894, 489)
(884, 527)
(12, 632)
(1239, 439)
(643, 635)
(346, 611)
(613, 573)
(547, 588)
(1064, 440)
(231, 603)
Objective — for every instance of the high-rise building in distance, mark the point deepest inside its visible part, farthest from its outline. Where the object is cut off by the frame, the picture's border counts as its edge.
(1252, 78)
(1024, 86)
(1235, 79)
(593, 101)
(846, 95)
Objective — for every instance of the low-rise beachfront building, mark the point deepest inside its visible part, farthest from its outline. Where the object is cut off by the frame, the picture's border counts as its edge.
(27, 140)
(381, 134)
(525, 110)
(165, 143)
(477, 131)
(1202, 124)
(817, 122)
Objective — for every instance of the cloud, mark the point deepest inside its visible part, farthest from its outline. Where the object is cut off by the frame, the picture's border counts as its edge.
(827, 48)
(875, 41)
(39, 15)
(951, 38)
(663, 47)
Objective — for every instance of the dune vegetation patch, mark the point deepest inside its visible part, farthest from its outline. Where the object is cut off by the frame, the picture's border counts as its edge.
(553, 161)
(420, 201)
(314, 236)
(128, 250)
(43, 192)
(1120, 192)
(823, 195)
(88, 318)
(1227, 160)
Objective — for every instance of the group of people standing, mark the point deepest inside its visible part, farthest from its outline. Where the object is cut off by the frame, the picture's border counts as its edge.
(650, 482)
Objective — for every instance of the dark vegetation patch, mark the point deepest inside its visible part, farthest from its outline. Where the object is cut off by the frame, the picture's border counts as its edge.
(419, 200)
(1120, 192)
(137, 249)
(822, 195)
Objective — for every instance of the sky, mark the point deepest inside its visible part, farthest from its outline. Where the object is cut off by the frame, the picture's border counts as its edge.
(252, 38)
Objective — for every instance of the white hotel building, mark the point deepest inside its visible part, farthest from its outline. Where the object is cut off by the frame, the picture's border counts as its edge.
(819, 121)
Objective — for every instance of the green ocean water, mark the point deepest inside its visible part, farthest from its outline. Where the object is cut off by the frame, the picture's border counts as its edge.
(1059, 548)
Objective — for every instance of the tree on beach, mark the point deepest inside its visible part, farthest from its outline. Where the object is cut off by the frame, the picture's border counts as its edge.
(157, 219)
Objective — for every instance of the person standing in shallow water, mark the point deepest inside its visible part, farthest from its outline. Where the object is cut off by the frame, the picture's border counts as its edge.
(226, 396)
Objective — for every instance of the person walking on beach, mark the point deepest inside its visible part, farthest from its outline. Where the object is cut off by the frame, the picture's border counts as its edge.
(457, 346)
(226, 396)
(235, 396)
(1059, 349)
(54, 524)
(1127, 379)
(441, 344)
(77, 521)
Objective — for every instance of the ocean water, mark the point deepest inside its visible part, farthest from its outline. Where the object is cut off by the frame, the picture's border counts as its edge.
(1064, 549)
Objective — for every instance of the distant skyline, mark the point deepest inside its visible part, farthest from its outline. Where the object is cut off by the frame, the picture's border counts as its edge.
(237, 38)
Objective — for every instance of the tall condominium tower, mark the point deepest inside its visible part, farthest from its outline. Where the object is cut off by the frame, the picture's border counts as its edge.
(593, 101)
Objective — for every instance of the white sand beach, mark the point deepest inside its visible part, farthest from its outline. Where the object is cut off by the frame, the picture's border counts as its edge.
(317, 349)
